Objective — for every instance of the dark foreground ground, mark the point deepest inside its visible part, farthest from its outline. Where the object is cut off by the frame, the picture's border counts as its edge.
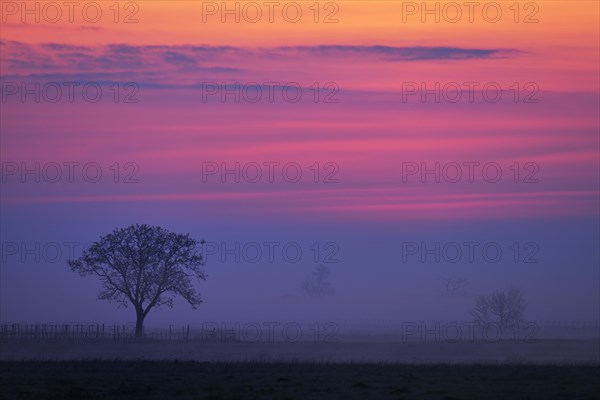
(197, 380)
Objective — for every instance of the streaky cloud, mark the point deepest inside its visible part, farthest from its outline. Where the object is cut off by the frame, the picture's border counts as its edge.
(403, 53)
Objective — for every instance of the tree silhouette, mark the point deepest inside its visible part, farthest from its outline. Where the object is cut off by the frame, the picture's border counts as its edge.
(318, 283)
(146, 266)
(454, 285)
(505, 308)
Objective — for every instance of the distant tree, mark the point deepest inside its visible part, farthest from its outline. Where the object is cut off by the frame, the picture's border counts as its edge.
(505, 308)
(454, 285)
(318, 283)
(146, 266)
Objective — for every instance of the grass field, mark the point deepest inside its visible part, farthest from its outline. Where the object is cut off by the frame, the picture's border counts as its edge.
(550, 351)
(349, 369)
(200, 380)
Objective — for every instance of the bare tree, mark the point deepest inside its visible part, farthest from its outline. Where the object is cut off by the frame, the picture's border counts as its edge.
(318, 283)
(146, 266)
(454, 285)
(505, 308)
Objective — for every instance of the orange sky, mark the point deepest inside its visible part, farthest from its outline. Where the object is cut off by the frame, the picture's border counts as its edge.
(167, 51)
(565, 39)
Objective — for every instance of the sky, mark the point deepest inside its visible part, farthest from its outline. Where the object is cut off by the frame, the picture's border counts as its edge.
(382, 139)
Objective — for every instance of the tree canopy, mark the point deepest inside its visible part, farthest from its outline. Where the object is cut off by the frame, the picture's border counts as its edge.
(146, 266)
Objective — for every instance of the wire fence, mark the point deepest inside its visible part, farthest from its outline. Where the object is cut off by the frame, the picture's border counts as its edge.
(256, 331)
(87, 331)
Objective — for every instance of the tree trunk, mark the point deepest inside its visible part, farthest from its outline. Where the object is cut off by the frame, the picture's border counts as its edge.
(139, 324)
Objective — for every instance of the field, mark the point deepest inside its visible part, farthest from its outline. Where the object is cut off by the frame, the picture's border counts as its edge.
(352, 368)
(347, 349)
(200, 380)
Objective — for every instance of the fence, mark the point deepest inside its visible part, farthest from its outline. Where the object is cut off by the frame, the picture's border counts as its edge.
(91, 332)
